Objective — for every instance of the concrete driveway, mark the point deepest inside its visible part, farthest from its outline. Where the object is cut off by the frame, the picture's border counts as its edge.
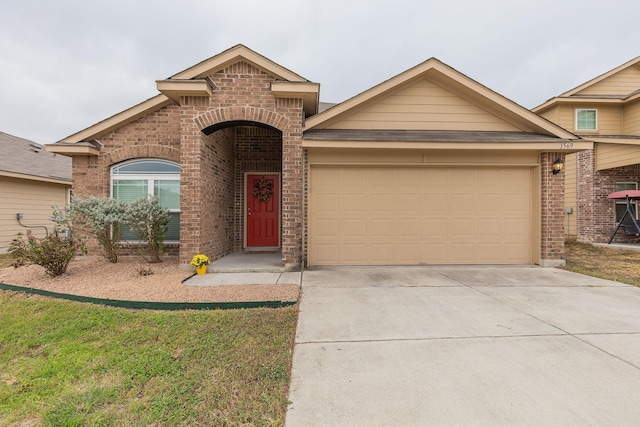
(467, 346)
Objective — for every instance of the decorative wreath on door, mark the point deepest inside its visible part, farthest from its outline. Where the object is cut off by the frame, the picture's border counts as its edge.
(263, 190)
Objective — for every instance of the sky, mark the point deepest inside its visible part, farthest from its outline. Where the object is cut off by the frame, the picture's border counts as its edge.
(66, 65)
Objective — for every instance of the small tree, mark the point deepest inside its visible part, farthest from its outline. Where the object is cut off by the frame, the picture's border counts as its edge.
(149, 222)
(103, 216)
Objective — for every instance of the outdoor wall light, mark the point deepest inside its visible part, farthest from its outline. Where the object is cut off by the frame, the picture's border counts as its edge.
(557, 166)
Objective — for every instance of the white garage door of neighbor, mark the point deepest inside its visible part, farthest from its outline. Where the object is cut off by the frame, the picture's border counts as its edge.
(419, 215)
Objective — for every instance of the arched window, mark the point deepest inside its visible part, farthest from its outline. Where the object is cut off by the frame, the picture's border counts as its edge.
(138, 178)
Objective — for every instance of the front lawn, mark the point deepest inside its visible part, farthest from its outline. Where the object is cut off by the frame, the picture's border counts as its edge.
(605, 263)
(73, 364)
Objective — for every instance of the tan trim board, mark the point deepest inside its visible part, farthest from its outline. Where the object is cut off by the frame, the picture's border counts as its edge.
(564, 146)
(174, 89)
(616, 140)
(120, 119)
(308, 91)
(71, 150)
(36, 178)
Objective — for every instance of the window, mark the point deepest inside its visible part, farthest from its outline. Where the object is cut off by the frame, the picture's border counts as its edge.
(586, 119)
(160, 178)
(621, 205)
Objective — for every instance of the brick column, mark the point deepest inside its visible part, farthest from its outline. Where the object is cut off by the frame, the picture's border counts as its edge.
(292, 188)
(191, 147)
(552, 212)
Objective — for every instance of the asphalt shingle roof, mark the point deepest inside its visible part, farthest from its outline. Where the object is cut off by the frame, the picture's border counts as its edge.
(424, 136)
(19, 155)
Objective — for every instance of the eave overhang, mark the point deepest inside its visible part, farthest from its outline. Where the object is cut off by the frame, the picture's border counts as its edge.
(569, 147)
(441, 140)
(83, 148)
(308, 91)
(50, 179)
(615, 139)
(120, 119)
(175, 89)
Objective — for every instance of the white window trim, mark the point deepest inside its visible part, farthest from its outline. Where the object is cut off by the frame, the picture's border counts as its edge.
(576, 122)
(150, 178)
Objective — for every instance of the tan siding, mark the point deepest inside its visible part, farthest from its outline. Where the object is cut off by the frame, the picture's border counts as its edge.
(609, 118)
(632, 119)
(621, 83)
(551, 114)
(423, 106)
(34, 200)
(616, 155)
(571, 225)
(566, 117)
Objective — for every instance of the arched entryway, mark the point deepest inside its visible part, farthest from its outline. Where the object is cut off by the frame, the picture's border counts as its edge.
(256, 186)
(236, 178)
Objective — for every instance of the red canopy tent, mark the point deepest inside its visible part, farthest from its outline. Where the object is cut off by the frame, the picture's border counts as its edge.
(631, 226)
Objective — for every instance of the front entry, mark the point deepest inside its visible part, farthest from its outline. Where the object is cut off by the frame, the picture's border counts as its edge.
(262, 201)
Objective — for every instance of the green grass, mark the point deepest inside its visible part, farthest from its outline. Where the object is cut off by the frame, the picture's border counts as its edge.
(70, 364)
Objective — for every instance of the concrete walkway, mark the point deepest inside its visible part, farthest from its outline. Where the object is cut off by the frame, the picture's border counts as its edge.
(246, 269)
(427, 346)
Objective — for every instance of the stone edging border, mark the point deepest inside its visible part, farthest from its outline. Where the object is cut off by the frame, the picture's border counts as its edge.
(150, 305)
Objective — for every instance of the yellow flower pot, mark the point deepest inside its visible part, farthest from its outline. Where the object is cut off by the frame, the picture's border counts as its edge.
(201, 270)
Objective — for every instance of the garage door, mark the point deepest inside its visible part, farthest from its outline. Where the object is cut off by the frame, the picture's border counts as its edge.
(418, 215)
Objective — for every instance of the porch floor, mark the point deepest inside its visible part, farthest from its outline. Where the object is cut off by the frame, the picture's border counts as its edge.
(246, 269)
(240, 262)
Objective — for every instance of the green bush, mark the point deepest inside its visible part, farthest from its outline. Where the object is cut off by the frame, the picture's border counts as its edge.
(103, 216)
(149, 222)
(52, 252)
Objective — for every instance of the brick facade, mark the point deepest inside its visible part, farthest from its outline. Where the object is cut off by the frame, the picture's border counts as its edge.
(596, 213)
(242, 128)
(552, 211)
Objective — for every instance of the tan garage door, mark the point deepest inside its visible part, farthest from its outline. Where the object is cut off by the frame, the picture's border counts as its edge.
(417, 215)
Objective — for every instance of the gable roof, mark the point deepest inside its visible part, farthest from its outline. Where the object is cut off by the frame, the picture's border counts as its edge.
(608, 75)
(452, 80)
(22, 158)
(193, 76)
(592, 90)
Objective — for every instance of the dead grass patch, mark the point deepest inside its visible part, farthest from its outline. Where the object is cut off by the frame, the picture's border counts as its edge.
(605, 263)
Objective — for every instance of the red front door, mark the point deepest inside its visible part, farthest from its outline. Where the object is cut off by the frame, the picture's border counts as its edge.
(263, 210)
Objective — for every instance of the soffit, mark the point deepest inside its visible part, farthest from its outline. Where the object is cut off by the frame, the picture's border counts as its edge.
(438, 140)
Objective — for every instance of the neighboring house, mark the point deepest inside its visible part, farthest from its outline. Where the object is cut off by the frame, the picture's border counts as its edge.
(605, 110)
(32, 181)
(428, 167)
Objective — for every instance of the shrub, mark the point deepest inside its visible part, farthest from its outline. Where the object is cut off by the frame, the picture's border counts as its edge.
(149, 222)
(103, 216)
(52, 252)
(144, 271)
